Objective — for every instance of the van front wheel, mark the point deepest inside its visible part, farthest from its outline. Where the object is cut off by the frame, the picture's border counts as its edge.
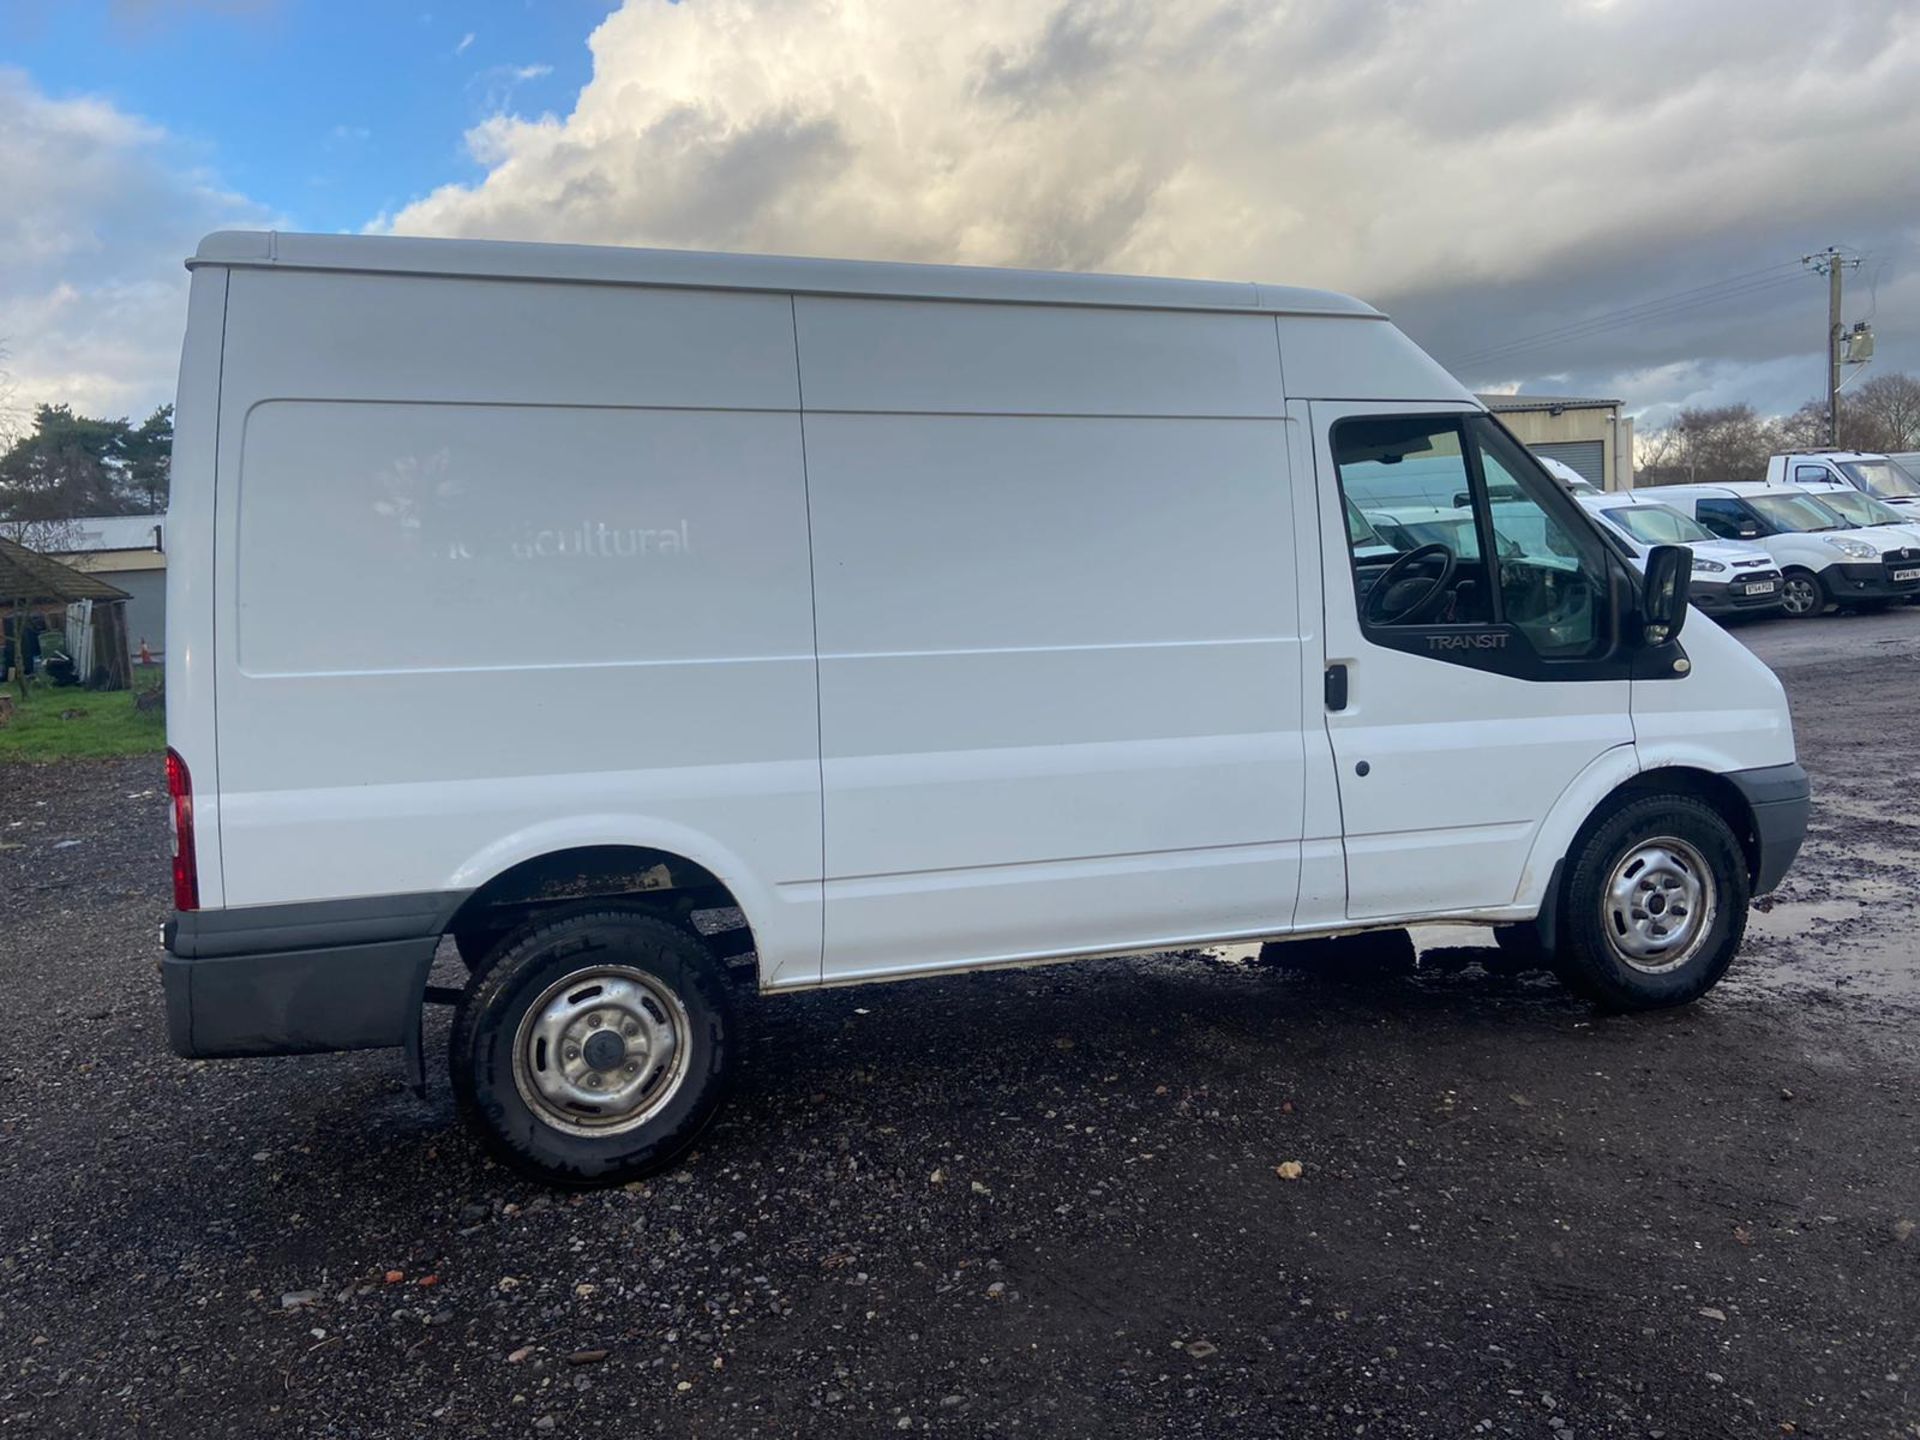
(1656, 906)
(1803, 595)
(592, 1047)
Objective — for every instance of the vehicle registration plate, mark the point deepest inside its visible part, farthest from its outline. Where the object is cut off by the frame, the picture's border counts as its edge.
(1760, 587)
(1900, 575)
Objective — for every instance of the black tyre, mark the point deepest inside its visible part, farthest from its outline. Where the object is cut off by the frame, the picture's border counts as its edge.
(1803, 595)
(1655, 906)
(475, 945)
(1343, 957)
(593, 1046)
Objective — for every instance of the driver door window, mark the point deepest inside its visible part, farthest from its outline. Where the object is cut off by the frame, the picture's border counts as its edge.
(1728, 519)
(1459, 534)
(1408, 479)
(1552, 575)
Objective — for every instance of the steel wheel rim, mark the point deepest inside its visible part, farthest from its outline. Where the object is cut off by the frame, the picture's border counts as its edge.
(1798, 595)
(602, 1051)
(1659, 904)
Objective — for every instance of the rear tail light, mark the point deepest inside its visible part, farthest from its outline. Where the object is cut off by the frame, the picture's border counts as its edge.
(186, 875)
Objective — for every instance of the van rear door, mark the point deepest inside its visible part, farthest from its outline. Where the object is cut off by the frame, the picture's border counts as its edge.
(1481, 674)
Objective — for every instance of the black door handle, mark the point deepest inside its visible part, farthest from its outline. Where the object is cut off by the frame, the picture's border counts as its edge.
(1336, 687)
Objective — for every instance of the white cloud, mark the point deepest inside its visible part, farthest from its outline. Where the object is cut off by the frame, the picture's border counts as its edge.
(466, 41)
(92, 293)
(1487, 168)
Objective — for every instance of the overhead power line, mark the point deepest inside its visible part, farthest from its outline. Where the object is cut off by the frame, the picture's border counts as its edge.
(1642, 308)
(1507, 352)
(1644, 312)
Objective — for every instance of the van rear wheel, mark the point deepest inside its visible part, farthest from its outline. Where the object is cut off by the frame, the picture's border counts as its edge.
(1655, 906)
(593, 1047)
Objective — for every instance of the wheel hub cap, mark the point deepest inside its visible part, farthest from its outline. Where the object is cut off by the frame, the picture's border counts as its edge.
(1659, 905)
(602, 1050)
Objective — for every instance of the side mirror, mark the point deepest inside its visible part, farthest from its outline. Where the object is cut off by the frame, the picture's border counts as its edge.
(1663, 599)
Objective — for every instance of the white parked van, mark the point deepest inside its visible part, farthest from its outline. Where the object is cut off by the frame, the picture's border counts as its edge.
(1880, 476)
(1866, 512)
(1729, 577)
(545, 598)
(1825, 560)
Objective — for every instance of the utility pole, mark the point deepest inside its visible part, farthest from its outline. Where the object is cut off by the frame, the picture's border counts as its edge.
(1830, 263)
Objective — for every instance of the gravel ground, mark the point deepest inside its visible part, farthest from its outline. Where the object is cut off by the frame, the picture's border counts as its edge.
(1037, 1203)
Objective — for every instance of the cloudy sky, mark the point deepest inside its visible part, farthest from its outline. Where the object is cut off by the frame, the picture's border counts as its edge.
(1565, 196)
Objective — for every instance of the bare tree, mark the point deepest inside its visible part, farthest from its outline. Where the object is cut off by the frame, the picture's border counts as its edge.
(11, 420)
(1806, 428)
(1882, 415)
(1709, 446)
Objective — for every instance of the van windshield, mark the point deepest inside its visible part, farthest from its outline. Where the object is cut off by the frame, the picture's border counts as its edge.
(1859, 508)
(1882, 478)
(1798, 513)
(1656, 524)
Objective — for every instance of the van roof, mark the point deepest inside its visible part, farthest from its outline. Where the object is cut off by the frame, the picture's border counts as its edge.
(1729, 487)
(1618, 499)
(704, 270)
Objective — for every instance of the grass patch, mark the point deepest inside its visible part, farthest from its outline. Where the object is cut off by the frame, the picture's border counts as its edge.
(109, 725)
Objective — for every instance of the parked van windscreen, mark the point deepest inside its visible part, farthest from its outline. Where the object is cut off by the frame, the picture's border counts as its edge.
(1656, 524)
(1882, 478)
(1796, 513)
(1859, 508)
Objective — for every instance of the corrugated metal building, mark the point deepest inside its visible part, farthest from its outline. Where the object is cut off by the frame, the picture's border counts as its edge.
(127, 551)
(1592, 436)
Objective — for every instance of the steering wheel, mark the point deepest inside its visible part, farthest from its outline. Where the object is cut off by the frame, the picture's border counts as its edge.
(1377, 611)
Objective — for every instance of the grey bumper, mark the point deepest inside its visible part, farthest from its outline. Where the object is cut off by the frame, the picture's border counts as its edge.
(294, 979)
(1779, 797)
(355, 997)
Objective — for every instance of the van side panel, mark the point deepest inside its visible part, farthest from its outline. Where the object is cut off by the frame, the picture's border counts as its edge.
(1058, 627)
(190, 593)
(507, 568)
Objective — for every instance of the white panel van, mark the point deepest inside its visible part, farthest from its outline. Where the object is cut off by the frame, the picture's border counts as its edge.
(1881, 476)
(1730, 577)
(1826, 560)
(560, 601)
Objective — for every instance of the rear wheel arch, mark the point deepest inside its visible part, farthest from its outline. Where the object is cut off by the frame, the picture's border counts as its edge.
(641, 878)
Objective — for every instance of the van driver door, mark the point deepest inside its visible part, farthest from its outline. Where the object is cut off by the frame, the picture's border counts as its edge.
(1469, 623)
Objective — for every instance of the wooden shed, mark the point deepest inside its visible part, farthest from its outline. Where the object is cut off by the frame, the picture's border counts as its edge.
(35, 585)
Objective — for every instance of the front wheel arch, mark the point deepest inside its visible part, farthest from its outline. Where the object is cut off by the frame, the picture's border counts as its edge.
(1713, 790)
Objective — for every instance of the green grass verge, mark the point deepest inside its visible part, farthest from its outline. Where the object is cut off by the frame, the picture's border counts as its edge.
(109, 725)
